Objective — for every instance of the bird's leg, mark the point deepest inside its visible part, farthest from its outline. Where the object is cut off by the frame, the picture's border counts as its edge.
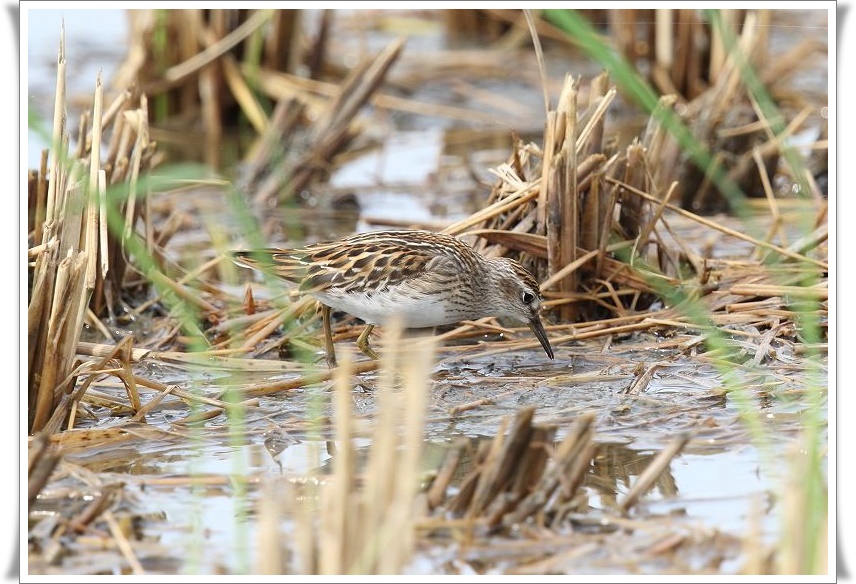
(328, 335)
(363, 342)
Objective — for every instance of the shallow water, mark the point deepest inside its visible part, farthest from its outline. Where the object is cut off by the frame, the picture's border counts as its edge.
(718, 482)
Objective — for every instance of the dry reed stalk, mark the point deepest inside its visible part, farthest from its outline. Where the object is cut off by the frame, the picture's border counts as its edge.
(633, 211)
(569, 461)
(123, 544)
(543, 28)
(42, 365)
(687, 57)
(58, 136)
(66, 406)
(217, 359)
(622, 31)
(178, 287)
(643, 379)
(263, 327)
(42, 458)
(653, 471)
(462, 25)
(436, 494)
(310, 93)
(526, 193)
(79, 440)
(284, 120)
(539, 57)
(60, 340)
(39, 209)
(93, 206)
(264, 389)
(75, 226)
(187, 54)
(43, 285)
(656, 139)
(722, 105)
(727, 230)
(562, 226)
(515, 476)
(239, 86)
(404, 431)
(99, 350)
(755, 552)
(819, 292)
(152, 404)
(100, 503)
(565, 213)
(183, 394)
(663, 39)
(502, 457)
(362, 526)
(590, 141)
(271, 552)
(334, 128)
(797, 545)
(330, 135)
(338, 527)
(172, 224)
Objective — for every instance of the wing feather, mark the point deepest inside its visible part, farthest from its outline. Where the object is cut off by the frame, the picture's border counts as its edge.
(366, 262)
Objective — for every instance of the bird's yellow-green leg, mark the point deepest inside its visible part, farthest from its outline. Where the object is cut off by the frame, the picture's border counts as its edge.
(328, 335)
(363, 342)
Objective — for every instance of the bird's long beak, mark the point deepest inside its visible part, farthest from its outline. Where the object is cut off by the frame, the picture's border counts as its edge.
(538, 329)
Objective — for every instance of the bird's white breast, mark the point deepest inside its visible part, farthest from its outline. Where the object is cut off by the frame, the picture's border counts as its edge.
(415, 310)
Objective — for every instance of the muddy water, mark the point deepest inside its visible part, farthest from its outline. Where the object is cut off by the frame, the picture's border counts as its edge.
(716, 485)
(722, 482)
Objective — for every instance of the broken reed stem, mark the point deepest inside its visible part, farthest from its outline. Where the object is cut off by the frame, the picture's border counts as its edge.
(269, 547)
(123, 544)
(176, 74)
(517, 474)
(93, 212)
(539, 57)
(569, 207)
(334, 128)
(653, 471)
(338, 527)
(558, 213)
(722, 228)
(74, 229)
(61, 337)
(42, 458)
(369, 529)
(141, 124)
(524, 195)
(57, 137)
(283, 86)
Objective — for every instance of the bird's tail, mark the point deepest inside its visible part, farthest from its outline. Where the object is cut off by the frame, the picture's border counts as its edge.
(277, 262)
(258, 259)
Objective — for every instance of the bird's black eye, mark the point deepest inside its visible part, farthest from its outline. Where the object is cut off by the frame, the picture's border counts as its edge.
(528, 297)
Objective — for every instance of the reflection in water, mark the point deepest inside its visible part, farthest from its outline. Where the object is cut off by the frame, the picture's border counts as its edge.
(613, 468)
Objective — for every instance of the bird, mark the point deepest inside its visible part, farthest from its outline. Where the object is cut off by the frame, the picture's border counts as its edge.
(422, 278)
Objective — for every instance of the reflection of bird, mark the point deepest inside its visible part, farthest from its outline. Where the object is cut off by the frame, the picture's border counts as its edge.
(422, 278)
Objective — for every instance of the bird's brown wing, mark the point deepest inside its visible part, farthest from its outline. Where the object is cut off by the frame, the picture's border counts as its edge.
(369, 262)
(365, 265)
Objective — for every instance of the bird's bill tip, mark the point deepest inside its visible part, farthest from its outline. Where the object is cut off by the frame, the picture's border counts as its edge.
(541, 334)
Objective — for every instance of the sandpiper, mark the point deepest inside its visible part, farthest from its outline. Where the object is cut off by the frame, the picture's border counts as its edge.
(424, 279)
